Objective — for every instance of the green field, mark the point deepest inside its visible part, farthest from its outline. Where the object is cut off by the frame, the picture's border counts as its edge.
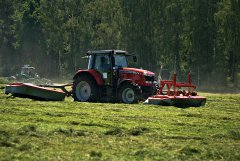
(35, 130)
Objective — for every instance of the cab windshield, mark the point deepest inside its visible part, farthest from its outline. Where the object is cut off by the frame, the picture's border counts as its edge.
(28, 71)
(120, 61)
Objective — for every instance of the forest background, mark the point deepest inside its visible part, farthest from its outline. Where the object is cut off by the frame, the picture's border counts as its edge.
(180, 35)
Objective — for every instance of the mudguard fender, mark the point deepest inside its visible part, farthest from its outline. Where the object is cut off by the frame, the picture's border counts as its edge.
(92, 73)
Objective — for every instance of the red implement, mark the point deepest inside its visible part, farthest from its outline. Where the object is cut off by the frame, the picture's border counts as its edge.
(180, 94)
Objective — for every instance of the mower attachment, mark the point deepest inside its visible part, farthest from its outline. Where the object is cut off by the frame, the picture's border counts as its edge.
(171, 94)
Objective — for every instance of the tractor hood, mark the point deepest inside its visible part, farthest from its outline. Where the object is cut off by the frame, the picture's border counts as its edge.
(136, 71)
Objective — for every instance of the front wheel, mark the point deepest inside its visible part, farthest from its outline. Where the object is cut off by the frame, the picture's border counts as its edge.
(84, 89)
(129, 93)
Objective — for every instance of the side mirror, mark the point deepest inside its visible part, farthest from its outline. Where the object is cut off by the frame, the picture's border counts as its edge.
(85, 57)
(135, 58)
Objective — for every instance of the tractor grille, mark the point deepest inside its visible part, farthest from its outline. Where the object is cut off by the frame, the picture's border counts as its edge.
(149, 79)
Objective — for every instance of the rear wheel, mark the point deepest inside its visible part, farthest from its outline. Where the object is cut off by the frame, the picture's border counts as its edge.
(129, 93)
(84, 89)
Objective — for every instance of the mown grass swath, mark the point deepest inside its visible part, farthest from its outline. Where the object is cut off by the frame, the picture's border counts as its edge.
(68, 130)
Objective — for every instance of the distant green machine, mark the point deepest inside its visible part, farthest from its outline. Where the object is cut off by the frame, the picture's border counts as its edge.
(28, 75)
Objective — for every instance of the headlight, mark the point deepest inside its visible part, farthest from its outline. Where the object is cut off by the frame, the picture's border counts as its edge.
(149, 79)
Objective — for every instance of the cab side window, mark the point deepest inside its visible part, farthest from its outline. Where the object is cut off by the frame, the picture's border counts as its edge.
(102, 63)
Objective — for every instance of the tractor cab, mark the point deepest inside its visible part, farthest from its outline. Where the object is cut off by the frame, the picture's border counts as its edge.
(110, 58)
(107, 63)
(109, 77)
(28, 71)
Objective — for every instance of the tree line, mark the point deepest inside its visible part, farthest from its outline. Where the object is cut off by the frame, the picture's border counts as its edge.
(202, 37)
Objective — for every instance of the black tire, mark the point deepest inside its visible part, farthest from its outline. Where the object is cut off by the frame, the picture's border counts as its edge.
(129, 93)
(84, 89)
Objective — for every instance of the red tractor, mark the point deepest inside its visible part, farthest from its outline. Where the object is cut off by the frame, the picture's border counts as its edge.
(109, 79)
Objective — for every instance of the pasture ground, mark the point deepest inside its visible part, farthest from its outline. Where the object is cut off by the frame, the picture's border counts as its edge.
(68, 130)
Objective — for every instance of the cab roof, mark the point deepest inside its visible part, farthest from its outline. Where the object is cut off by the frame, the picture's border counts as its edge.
(26, 66)
(107, 52)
